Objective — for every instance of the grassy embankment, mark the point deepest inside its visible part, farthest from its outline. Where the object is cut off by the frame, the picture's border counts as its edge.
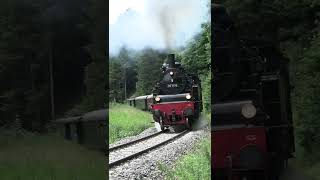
(127, 121)
(194, 165)
(47, 157)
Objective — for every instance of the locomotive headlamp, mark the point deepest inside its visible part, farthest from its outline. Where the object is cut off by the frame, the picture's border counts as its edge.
(188, 96)
(157, 98)
(248, 111)
(171, 73)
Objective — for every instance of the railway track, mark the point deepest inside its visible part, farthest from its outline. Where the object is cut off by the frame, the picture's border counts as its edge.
(128, 151)
(135, 141)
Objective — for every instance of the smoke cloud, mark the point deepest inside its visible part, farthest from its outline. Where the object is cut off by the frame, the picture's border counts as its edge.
(164, 24)
(173, 16)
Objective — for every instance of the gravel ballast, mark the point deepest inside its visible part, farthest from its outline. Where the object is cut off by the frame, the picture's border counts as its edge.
(146, 166)
(135, 148)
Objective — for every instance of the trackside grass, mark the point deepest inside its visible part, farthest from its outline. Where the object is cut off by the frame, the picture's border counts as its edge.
(127, 121)
(47, 157)
(194, 165)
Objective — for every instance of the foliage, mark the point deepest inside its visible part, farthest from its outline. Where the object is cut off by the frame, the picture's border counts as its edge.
(206, 92)
(149, 70)
(95, 76)
(138, 71)
(194, 165)
(115, 74)
(306, 98)
(127, 121)
(122, 75)
(17, 53)
(196, 58)
(197, 55)
(72, 35)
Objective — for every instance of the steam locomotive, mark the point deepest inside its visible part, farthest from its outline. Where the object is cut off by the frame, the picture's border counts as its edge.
(176, 99)
(177, 96)
(252, 132)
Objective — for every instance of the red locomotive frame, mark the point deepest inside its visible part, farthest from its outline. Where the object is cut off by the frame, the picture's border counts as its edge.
(231, 141)
(228, 145)
(174, 113)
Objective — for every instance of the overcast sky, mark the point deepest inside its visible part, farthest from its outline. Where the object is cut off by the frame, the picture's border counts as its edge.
(155, 23)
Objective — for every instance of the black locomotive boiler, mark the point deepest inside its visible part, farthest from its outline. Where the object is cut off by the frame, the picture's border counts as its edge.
(252, 130)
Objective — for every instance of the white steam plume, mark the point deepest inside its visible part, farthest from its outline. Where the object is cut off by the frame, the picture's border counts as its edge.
(173, 15)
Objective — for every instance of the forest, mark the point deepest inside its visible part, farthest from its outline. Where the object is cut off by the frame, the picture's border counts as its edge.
(293, 26)
(134, 72)
(52, 60)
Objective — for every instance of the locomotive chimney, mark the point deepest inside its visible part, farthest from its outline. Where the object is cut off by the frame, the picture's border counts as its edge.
(171, 60)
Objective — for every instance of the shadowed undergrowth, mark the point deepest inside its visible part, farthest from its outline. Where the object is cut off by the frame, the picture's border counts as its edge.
(28, 156)
(306, 163)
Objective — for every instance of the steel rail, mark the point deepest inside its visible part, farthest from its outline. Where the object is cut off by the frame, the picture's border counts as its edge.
(135, 141)
(146, 150)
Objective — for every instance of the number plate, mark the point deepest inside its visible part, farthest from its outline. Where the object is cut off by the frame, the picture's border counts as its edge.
(172, 85)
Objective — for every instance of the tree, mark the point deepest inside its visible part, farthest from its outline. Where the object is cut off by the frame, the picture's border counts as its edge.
(72, 35)
(115, 81)
(95, 81)
(18, 53)
(196, 58)
(149, 70)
